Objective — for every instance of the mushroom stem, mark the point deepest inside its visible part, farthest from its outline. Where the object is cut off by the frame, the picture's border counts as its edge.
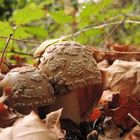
(78, 104)
(70, 104)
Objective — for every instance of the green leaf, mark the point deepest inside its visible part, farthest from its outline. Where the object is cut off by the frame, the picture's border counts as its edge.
(94, 8)
(28, 14)
(21, 33)
(60, 17)
(39, 32)
(20, 3)
(2, 43)
(93, 32)
(1, 2)
(82, 38)
(5, 29)
(83, 24)
(127, 9)
(91, 11)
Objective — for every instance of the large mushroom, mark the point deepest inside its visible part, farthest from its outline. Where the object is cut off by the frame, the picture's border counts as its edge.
(75, 77)
(26, 89)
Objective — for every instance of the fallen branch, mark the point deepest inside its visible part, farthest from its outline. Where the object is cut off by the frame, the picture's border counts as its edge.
(21, 53)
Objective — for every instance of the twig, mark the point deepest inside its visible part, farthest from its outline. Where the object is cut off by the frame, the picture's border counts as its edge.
(112, 23)
(20, 40)
(21, 53)
(109, 34)
(133, 118)
(112, 55)
(115, 52)
(100, 26)
(4, 50)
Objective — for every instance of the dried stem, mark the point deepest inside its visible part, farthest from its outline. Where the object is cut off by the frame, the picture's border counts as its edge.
(20, 40)
(20, 53)
(133, 118)
(104, 25)
(110, 33)
(4, 50)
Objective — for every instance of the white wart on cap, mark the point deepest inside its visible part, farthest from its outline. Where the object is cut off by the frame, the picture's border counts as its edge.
(26, 88)
(70, 66)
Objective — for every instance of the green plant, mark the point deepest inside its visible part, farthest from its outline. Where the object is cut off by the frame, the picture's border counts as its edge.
(92, 23)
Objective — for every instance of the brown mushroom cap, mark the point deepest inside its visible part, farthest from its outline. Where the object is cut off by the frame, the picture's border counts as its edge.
(26, 88)
(70, 66)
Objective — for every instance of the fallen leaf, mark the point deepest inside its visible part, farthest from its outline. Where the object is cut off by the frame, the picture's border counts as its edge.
(52, 122)
(123, 77)
(120, 114)
(109, 99)
(4, 67)
(31, 127)
(5, 134)
(96, 113)
(7, 116)
(134, 134)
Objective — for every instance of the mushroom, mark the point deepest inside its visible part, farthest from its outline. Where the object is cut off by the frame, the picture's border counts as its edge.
(26, 89)
(74, 74)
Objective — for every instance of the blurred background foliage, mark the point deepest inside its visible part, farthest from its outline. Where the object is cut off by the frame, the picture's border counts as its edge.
(39, 20)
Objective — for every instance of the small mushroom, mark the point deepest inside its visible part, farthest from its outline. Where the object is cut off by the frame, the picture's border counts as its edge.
(75, 77)
(26, 89)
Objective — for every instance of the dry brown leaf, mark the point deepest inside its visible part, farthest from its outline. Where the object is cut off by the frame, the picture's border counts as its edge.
(120, 114)
(4, 67)
(7, 116)
(134, 134)
(31, 127)
(103, 64)
(123, 77)
(52, 122)
(5, 134)
(108, 99)
(121, 47)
